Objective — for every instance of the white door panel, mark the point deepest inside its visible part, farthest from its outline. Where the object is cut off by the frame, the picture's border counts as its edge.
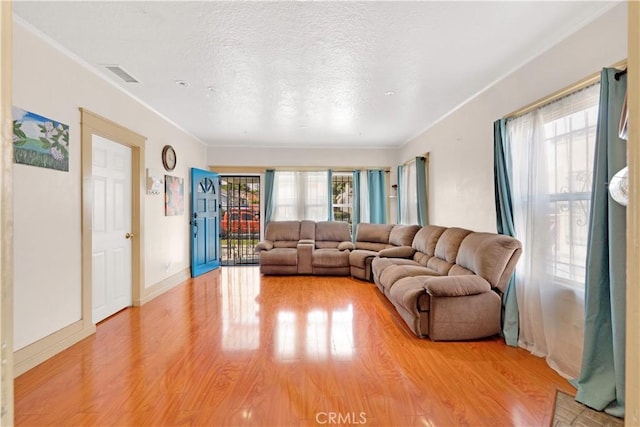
(111, 223)
(99, 291)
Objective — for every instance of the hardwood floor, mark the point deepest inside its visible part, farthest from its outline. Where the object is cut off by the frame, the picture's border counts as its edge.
(233, 348)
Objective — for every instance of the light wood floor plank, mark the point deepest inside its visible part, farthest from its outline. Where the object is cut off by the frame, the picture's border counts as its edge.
(233, 348)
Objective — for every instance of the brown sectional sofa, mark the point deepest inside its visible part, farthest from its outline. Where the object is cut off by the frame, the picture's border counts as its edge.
(446, 283)
(305, 247)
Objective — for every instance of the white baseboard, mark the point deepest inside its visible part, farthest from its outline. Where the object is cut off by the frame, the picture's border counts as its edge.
(34, 354)
(163, 286)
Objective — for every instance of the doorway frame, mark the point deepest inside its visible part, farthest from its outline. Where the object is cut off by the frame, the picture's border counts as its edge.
(632, 375)
(94, 124)
(6, 215)
(226, 208)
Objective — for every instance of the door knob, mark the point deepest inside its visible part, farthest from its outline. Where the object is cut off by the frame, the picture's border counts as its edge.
(128, 236)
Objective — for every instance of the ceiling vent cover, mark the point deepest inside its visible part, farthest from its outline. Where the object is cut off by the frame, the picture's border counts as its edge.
(118, 71)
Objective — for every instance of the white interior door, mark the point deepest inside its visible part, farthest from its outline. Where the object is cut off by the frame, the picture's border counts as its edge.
(111, 287)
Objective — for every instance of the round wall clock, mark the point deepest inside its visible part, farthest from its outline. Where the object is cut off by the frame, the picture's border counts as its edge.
(169, 158)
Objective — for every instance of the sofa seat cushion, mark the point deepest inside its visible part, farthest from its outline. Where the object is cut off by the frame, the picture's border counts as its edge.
(394, 273)
(287, 244)
(279, 256)
(395, 261)
(371, 246)
(378, 265)
(330, 258)
(441, 266)
(359, 257)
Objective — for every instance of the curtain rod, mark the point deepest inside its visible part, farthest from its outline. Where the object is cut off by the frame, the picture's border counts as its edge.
(581, 84)
(413, 159)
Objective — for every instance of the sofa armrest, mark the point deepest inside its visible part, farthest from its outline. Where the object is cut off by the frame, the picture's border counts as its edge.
(346, 245)
(397, 252)
(456, 286)
(265, 245)
(305, 253)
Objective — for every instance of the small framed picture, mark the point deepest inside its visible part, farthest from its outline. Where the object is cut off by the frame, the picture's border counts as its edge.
(173, 195)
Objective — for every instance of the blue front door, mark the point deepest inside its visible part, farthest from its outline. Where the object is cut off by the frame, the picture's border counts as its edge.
(205, 221)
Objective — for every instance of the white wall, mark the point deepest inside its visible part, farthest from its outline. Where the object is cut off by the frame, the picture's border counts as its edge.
(47, 245)
(461, 144)
(302, 157)
(275, 157)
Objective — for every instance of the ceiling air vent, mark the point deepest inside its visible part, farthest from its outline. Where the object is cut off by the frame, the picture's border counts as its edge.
(115, 69)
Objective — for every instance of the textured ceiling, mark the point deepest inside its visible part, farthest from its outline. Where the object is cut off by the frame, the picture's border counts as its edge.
(324, 74)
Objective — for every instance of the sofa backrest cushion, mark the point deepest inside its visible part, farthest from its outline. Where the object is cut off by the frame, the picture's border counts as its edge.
(492, 256)
(283, 234)
(424, 242)
(307, 230)
(372, 237)
(403, 235)
(447, 249)
(330, 233)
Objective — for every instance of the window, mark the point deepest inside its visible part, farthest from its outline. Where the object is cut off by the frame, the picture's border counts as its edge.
(570, 141)
(301, 195)
(408, 194)
(342, 196)
(320, 196)
(553, 155)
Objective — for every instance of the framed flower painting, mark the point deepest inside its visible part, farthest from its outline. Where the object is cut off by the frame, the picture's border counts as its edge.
(40, 141)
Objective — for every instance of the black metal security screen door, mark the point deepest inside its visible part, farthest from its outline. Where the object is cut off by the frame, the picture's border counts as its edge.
(240, 224)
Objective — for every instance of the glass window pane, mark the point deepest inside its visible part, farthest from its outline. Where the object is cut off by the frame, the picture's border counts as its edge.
(570, 138)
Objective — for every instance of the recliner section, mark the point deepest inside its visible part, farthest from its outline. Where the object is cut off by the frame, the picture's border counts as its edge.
(455, 292)
(371, 239)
